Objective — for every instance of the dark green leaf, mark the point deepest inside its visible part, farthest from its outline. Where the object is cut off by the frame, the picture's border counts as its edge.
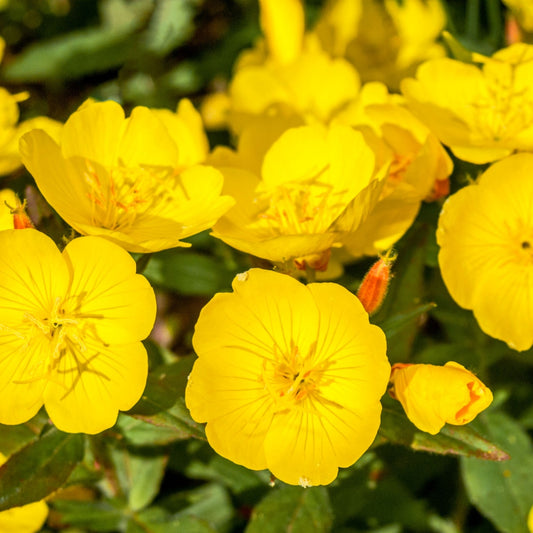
(502, 491)
(90, 516)
(209, 502)
(188, 272)
(293, 509)
(394, 325)
(155, 520)
(40, 468)
(162, 403)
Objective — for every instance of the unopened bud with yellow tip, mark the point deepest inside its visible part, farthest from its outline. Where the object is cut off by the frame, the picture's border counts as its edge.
(434, 395)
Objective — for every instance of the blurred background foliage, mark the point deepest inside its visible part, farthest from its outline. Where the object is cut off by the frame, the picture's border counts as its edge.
(154, 472)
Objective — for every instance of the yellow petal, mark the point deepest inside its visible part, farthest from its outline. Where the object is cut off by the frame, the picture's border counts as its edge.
(7, 199)
(119, 303)
(186, 129)
(283, 24)
(225, 390)
(146, 141)
(94, 132)
(89, 387)
(56, 177)
(23, 367)
(33, 275)
(26, 519)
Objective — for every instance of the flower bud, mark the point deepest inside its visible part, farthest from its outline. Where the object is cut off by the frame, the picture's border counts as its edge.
(434, 395)
(375, 284)
(20, 218)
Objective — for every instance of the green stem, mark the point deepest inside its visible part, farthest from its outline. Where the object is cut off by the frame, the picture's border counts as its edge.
(142, 262)
(472, 19)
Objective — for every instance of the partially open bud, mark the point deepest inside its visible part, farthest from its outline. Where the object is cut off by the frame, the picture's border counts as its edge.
(375, 284)
(434, 395)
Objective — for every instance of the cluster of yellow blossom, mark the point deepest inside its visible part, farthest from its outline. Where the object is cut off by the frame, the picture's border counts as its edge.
(289, 376)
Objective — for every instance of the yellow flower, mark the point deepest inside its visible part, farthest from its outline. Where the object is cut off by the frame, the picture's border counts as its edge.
(26, 519)
(482, 113)
(314, 86)
(133, 181)
(485, 235)
(296, 198)
(435, 395)
(419, 162)
(11, 132)
(530, 520)
(70, 330)
(288, 377)
(384, 41)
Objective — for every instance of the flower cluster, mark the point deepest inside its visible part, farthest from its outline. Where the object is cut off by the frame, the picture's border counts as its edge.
(329, 164)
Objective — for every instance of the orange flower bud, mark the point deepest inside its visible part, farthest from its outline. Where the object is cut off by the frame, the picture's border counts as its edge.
(375, 284)
(434, 395)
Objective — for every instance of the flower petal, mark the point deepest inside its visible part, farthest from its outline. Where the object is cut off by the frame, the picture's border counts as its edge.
(105, 289)
(88, 388)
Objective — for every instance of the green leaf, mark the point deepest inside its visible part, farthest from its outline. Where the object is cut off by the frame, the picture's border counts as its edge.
(172, 23)
(209, 502)
(137, 432)
(503, 492)
(162, 403)
(188, 272)
(40, 468)
(146, 474)
(293, 509)
(156, 520)
(452, 440)
(394, 325)
(458, 51)
(90, 516)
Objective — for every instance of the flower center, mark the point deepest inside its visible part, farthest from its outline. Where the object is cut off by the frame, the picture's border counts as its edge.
(291, 377)
(507, 109)
(51, 336)
(120, 194)
(296, 209)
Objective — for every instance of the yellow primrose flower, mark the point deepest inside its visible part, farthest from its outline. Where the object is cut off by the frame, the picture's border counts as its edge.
(288, 377)
(296, 198)
(384, 41)
(483, 113)
(419, 163)
(485, 235)
(25, 519)
(134, 181)
(70, 330)
(435, 395)
(313, 85)
(530, 520)
(11, 131)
